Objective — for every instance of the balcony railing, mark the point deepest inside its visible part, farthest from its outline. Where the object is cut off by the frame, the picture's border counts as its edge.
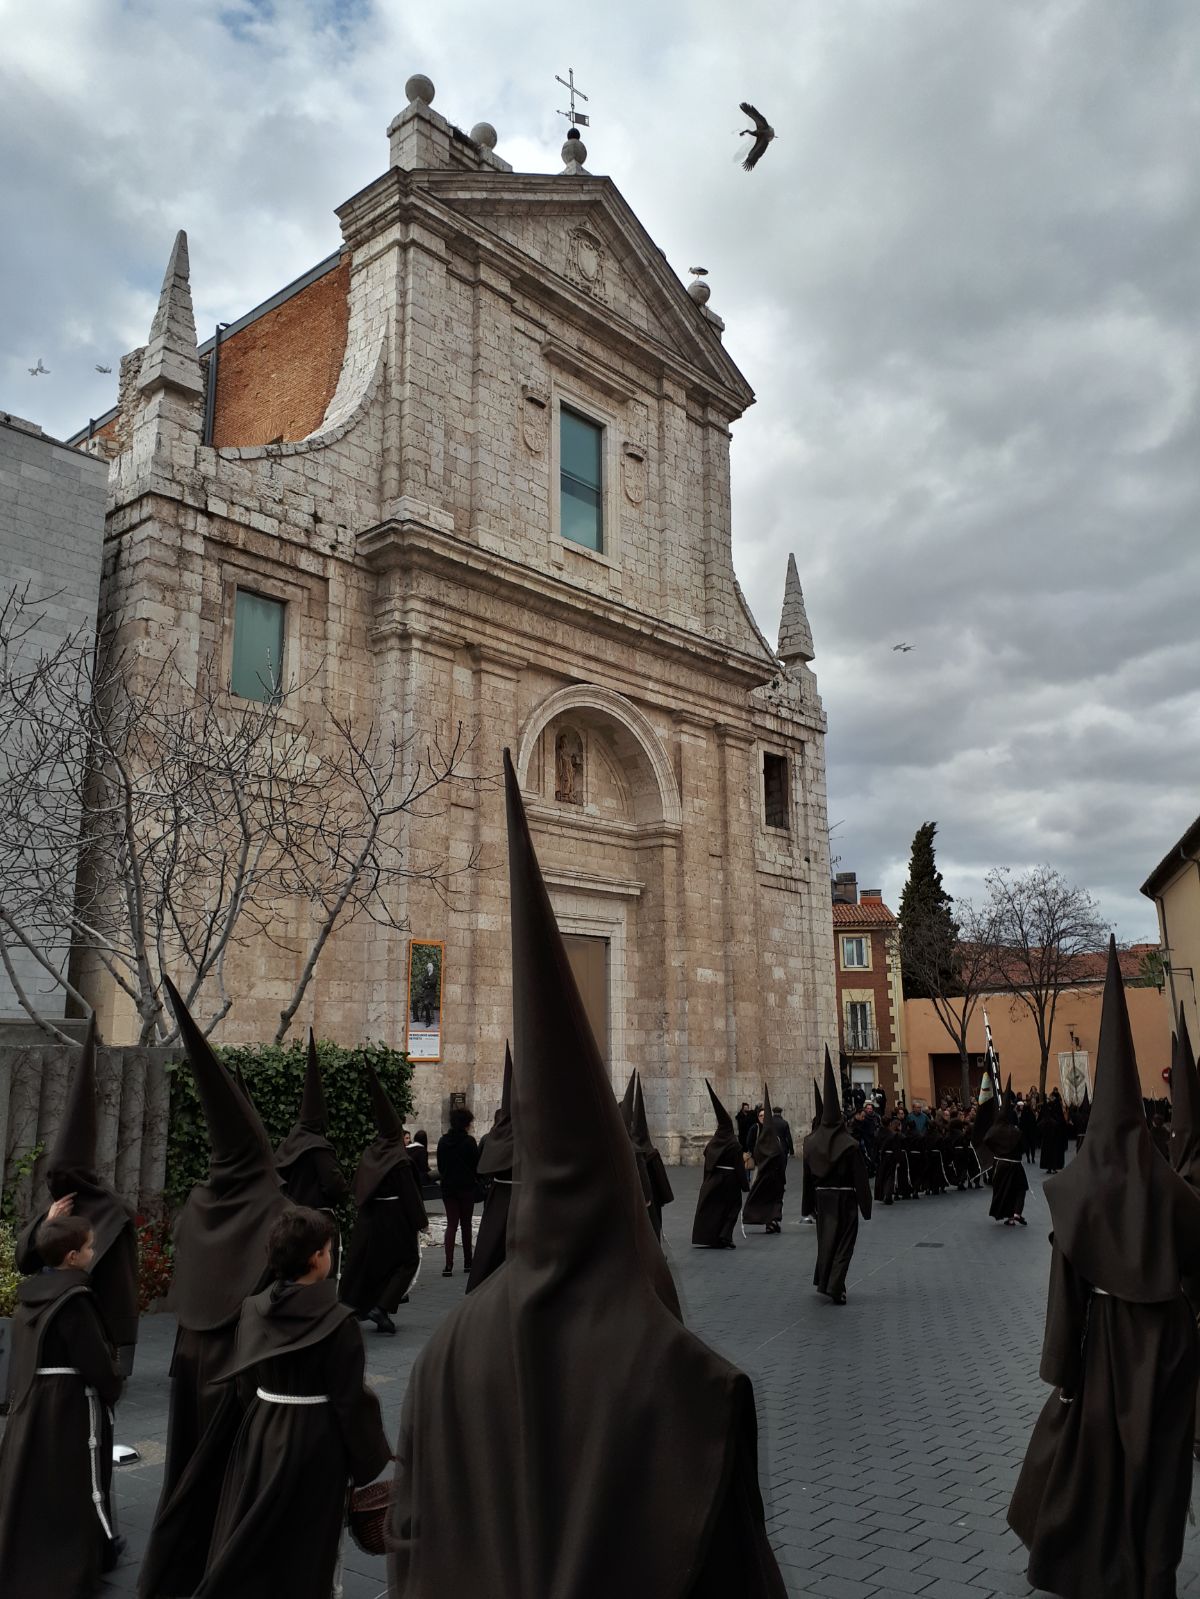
(861, 1041)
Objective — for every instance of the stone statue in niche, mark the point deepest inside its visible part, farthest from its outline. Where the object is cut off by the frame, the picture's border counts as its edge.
(568, 767)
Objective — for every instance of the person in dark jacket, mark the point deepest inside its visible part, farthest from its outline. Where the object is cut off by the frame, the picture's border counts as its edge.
(457, 1163)
(745, 1120)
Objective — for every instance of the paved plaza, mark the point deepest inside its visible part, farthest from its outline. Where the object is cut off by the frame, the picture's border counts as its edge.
(891, 1430)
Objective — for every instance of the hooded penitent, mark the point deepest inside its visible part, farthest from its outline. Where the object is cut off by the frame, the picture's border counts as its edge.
(221, 1234)
(649, 1158)
(1102, 1498)
(387, 1149)
(495, 1165)
(1121, 1215)
(71, 1169)
(826, 1146)
(603, 1447)
(720, 1200)
(764, 1203)
(1185, 1107)
(820, 1111)
(312, 1125)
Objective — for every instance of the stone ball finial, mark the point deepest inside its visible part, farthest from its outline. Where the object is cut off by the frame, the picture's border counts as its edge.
(483, 133)
(574, 151)
(699, 291)
(419, 87)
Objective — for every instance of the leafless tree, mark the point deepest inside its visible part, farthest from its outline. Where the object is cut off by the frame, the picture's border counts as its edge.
(955, 979)
(152, 825)
(1045, 926)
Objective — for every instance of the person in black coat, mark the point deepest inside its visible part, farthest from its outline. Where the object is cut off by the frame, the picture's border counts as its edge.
(457, 1163)
(745, 1120)
(843, 1190)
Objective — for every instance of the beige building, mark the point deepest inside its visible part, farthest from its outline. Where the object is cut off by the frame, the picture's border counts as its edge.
(1174, 886)
(474, 468)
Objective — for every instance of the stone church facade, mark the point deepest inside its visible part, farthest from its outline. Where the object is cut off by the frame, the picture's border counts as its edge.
(476, 470)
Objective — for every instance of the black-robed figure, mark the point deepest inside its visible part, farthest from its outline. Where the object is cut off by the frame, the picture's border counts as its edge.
(1009, 1182)
(1102, 1499)
(1185, 1148)
(306, 1162)
(220, 1259)
(71, 1169)
(720, 1200)
(764, 1202)
(495, 1168)
(56, 1524)
(384, 1253)
(843, 1189)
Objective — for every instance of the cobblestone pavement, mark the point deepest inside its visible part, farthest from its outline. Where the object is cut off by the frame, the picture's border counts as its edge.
(891, 1429)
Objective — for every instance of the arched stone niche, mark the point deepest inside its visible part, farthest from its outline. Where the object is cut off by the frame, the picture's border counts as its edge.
(626, 773)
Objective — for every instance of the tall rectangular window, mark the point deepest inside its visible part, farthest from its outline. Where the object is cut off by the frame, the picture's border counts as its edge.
(257, 646)
(854, 952)
(581, 480)
(776, 808)
(860, 1025)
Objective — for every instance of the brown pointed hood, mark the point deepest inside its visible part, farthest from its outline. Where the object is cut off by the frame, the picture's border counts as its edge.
(387, 1149)
(767, 1146)
(724, 1148)
(71, 1163)
(564, 1393)
(627, 1103)
(1121, 1216)
(221, 1233)
(817, 1102)
(661, 1192)
(1185, 1106)
(309, 1131)
(496, 1157)
(826, 1146)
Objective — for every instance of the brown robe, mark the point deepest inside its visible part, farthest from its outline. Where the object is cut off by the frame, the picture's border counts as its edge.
(283, 1503)
(54, 1539)
(719, 1203)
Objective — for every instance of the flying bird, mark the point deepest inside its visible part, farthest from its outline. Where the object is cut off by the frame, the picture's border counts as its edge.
(100, 368)
(762, 133)
(39, 371)
(903, 648)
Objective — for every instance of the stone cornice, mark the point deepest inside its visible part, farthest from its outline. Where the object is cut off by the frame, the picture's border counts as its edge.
(412, 545)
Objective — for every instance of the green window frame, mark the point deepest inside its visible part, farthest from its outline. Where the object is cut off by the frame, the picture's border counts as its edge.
(581, 479)
(257, 670)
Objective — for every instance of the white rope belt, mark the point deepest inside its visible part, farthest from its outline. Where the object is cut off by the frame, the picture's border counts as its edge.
(725, 1168)
(1103, 1291)
(93, 1443)
(1005, 1160)
(293, 1399)
(386, 1199)
(833, 1188)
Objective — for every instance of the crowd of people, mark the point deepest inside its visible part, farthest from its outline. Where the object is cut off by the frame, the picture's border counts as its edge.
(565, 1397)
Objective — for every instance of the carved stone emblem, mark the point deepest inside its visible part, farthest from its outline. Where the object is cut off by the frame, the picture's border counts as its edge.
(633, 472)
(586, 262)
(535, 419)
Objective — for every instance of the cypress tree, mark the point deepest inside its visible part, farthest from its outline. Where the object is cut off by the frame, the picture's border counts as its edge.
(927, 927)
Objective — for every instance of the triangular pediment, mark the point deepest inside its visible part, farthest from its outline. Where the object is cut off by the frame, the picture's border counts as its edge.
(582, 233)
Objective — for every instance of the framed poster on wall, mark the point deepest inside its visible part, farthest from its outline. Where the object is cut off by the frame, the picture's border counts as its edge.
(423, 1040)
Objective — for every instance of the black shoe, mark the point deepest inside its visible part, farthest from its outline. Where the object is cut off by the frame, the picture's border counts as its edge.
(447, 1271)
(729, 1246)
(383, 1322)
(838, 1299)
(1020, 1221)
(404, 1299)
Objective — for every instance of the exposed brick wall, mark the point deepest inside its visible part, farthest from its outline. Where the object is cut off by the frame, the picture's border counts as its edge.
(873, 984)
(276, 377)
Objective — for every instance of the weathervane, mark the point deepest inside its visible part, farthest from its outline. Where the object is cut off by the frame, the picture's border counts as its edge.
(577, 119)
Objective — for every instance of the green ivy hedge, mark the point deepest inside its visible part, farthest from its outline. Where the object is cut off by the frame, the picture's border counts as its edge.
(274, 1074)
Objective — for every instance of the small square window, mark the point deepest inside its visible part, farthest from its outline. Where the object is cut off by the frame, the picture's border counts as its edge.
(854, 952)
(581, 480)
(776, 796)
(257, 646)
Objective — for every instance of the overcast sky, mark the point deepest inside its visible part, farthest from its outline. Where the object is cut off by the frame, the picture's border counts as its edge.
(963, 283)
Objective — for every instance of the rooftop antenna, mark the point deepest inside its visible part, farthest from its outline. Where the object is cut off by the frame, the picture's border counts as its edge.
(577, 119)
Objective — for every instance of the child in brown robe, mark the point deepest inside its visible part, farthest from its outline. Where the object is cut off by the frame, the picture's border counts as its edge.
(57, 1446)
(310, 1429)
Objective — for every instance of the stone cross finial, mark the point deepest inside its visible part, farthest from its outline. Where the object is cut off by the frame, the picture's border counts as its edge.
(171, 361)
(795, 635)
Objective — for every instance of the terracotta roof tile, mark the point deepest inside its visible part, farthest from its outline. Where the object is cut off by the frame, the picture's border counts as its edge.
(867, 913)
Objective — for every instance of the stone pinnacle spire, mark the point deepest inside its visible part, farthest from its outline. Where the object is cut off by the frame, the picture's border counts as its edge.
(795, 635)
(170, 361)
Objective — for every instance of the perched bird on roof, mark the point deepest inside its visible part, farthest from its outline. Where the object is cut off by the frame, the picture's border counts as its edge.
(698, 272)
(903, 648)
(39, 371)
(762, 133)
